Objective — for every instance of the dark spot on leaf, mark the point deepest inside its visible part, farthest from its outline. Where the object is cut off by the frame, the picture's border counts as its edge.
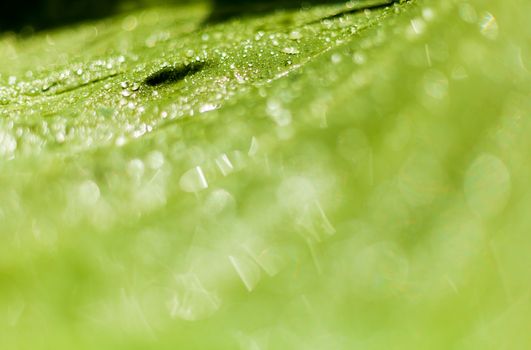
(171, 75)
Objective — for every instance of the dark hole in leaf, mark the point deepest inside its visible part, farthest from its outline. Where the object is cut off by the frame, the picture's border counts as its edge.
(171, 75)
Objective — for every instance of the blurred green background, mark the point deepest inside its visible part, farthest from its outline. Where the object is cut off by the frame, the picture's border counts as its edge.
(43, 14)
(321, 181)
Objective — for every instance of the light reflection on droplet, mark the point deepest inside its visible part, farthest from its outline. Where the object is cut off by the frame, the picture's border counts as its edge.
(135, 169)
(280, 115)
(247, 270)
(290, 50)
(267, 258)
(224, 164)
(417, 27)
(8, 144)
(208, 107)
(359, 58)
(155, 160)
(193, 180)
(428, 13)
(336, 58)
(255, 146)
(130, 23)
(489, 26)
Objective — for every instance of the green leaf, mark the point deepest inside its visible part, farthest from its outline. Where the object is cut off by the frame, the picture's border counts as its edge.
(327, 177)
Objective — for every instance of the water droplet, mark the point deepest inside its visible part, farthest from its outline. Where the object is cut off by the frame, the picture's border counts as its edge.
(295, 35)
(336, 58)
(359, 58)
(89, 193)
(259, 36)
(8, 145)
(218, 201)
(255, 146)
(278, 113)
(428, 14)
(268, 258)
(247, 270)
(418, 26)
(155, 160)
(135, 169)
(193, 180)
(129, 23)
(239, 78)
(208, 107)
(291, 50)
(224, 164)
(489, 26)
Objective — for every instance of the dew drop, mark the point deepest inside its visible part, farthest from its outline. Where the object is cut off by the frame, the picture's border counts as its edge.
(193, 180)
(218, 201)
(247, 270)
(89, 193)
(295, 35)
(135, 169)
(489, 26)
(336, 58)
(224, 164)
(359, 58)
(208, 108)
(8, 144)
(290, 50)
(130, 23)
